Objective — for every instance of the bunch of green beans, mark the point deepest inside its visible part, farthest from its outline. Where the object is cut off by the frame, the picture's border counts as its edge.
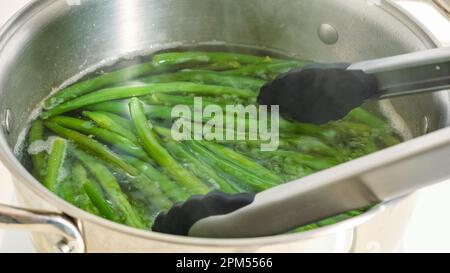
(105, 144)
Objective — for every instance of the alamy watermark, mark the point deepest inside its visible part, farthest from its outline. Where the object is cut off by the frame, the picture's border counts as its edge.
(227, 123)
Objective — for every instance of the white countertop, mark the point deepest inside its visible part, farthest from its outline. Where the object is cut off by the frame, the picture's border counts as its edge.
(429, 228)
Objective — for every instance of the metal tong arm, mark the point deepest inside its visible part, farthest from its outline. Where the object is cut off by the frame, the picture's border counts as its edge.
(382, 176)
(423, 71)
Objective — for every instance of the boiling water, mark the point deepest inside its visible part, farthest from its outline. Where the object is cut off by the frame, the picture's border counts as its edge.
(348, 143)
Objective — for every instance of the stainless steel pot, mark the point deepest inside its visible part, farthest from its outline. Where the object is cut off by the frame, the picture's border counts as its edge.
(443, 6)
(52, 40)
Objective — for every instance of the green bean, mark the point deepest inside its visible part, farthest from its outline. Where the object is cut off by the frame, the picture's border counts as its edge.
(362, 116)
(159, 154)
(388, 140)
(170, 187)
(208, 77)
(258, 183)
(113, 123)
(69, 192)
(82, 200)
(385, 132)
(265, 71)
(308, 144)
(111, 187)
(241, 160)
(38, 159)
(300, 128)
(358, 212)
(311, 161)
(163, 132)
(227, 118)
(305, 228)
(222, 133)
(87, 127)
(302, 143)
(219, 174)
(98, 199)
(350, 127)
(55, 164)
(99, 82)
(333, 220)
(147, 212)
(151, 111)
(165, 113)
(357, 136)
(92, 145)
(148, 188)
(329, 221)
(171, 100)
(65, 189)
(121, 121)
(74, 193)
(158, 112)
(106, 208)
(177, 58)
(125, 166)
(121, 108)
(147, 89)
(201, 169)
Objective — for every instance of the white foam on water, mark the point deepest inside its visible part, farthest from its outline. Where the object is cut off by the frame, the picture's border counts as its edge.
(63, 173)
(112, 61)
(37, 147)
(18, 148)
(21, 143)
(386, 107)
(21, 139)
(41, 146)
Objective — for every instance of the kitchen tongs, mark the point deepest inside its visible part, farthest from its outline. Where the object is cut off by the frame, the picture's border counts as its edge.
(377, 178)
(371, 180)
(319, 93)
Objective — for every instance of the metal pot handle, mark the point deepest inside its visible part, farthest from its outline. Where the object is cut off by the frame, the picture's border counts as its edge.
(45, 222)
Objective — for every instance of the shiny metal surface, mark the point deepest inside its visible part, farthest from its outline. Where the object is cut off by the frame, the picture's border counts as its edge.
(328, 34)
(397, 174)
(443, 6)
(51, 41)
(409, 74)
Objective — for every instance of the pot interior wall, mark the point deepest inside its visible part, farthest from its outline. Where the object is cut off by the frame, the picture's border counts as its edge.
(60, 40)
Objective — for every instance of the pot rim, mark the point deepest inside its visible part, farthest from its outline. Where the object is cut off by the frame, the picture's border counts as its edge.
(20, 174)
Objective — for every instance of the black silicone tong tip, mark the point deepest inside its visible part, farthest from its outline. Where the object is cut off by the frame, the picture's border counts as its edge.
(182, 216)
(319, 93)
